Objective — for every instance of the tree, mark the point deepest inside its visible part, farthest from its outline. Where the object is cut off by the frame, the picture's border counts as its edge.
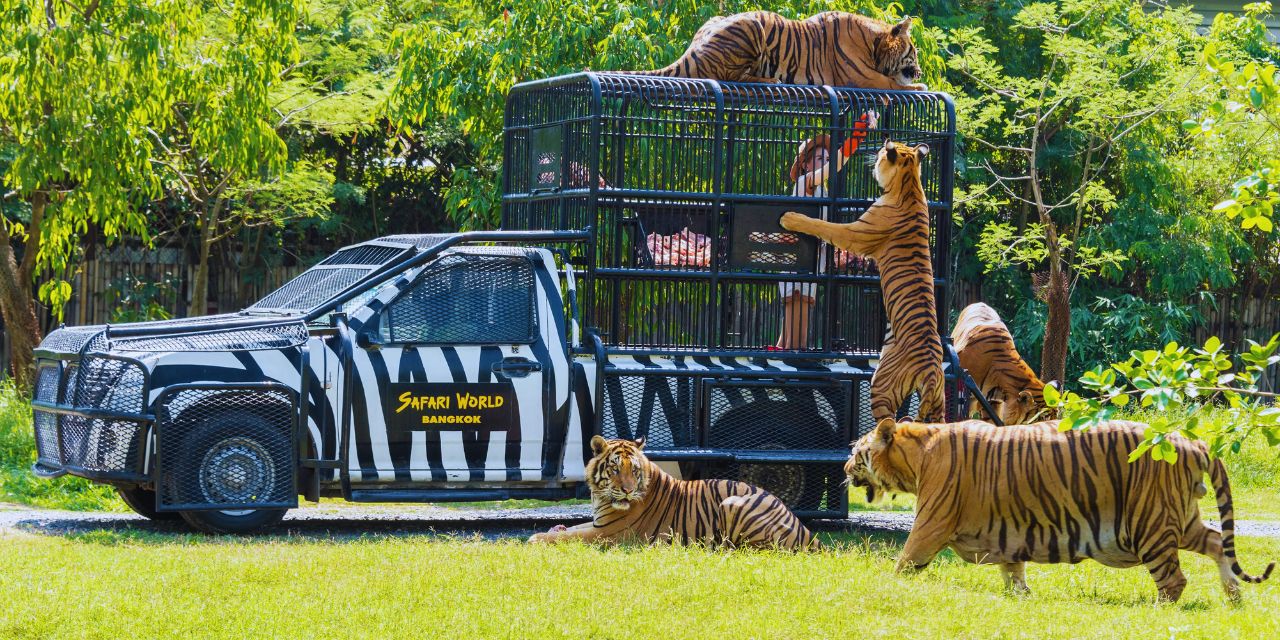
(458, 63)
(84, 83)
(1050, 129)
(223, 130)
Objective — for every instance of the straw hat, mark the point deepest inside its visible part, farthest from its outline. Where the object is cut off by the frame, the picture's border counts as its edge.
(806, 151)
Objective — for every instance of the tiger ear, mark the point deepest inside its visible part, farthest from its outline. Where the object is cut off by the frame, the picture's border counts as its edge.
(890, 150)
(597, 444)
(902, 28)
(640, 442)
(922, 150)
(1025, 396)
(884, 432)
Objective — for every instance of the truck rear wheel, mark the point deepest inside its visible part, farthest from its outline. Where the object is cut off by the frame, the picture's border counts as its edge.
(143, 502)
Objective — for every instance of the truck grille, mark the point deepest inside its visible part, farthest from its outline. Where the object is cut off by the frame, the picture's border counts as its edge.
(93, 444)
(100, 445)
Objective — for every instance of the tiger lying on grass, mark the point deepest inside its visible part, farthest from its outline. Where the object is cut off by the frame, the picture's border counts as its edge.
(1008, 495)
(635, 501)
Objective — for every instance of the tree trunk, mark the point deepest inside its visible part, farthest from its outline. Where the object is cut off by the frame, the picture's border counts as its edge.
(1057, 325)
(200, 288)
(16, 304)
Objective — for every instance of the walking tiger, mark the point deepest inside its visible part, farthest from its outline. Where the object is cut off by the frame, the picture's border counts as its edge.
(834, 48)
(1009, 495)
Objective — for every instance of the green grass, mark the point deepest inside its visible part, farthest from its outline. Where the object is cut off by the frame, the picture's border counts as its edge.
(111, 585)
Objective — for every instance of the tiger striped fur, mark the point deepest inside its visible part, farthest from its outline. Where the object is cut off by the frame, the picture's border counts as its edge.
(636, 501)
(986, 350)
(1011, 495)
(894, 231)
(834, 48)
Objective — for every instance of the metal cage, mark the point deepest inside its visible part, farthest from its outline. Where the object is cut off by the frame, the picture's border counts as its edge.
(682, 182)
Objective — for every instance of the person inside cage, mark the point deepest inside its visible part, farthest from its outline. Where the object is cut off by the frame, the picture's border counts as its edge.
(809, 173)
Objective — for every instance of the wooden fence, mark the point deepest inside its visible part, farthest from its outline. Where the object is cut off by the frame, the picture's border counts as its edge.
(111, 283)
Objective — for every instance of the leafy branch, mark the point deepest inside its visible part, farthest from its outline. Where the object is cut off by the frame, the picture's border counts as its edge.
(1178, 383)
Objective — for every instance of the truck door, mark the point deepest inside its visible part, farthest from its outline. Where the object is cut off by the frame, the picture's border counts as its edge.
(462, 377)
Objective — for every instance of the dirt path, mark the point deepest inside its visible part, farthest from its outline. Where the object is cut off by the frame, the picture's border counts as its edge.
(329, 521)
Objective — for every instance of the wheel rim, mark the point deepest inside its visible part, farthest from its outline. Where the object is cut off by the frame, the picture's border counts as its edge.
(237, 471)
(786, 481)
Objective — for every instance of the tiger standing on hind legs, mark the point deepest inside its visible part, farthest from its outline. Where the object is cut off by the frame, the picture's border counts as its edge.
(894, 231)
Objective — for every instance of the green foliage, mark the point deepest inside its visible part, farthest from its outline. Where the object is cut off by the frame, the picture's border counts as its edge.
(134, 299)
(82, 91)
(458, 63)
(1249, 96)
(1178, 385)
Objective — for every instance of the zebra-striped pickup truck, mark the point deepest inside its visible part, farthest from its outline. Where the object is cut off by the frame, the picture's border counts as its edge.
(423, 368)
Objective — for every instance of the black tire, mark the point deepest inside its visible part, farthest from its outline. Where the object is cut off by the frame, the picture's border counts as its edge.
(773, 424)
(235, 457)
(143, 503)
(236, 522)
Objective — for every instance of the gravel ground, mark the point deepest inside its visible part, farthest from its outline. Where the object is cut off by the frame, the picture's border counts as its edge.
(351, 521)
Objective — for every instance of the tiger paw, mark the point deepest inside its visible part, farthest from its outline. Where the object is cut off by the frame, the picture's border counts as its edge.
(792, 220)
(545, 538)
(919, 86)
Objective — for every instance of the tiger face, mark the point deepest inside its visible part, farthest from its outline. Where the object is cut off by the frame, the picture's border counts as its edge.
(895, 160)
(895, 54)
(879, 462)
(617, 474)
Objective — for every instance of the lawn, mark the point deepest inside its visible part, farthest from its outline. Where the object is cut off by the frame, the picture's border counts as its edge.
(113, 585)
(110, 584)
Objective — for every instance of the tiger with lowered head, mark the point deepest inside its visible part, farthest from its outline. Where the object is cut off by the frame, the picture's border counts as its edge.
(835, 48)
(1015, 494)
(986, 350)
(894, 231)
(633, 500)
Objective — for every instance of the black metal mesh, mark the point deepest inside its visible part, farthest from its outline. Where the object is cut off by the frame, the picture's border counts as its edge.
(99, 445)
(783, 417)
(312, 288)
(809, 490)
(363, 254)
(109, 384)
(422, 241)
(225, 449)
(72, 377)
(69, 339)
(270, 337)
(46, 426)
(47, 382)
(659, 408)
(467, 298)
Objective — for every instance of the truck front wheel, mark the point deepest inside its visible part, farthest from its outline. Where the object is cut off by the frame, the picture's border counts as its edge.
(235, 458)
(233, 521)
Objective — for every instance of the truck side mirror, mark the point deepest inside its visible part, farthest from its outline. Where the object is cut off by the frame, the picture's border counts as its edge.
(366, 340)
